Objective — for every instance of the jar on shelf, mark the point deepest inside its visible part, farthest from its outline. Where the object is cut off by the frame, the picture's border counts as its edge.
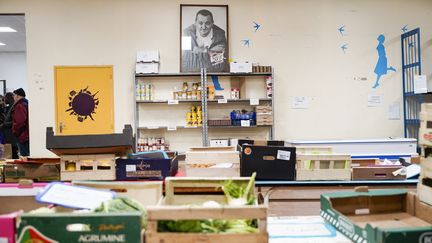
(235, 93)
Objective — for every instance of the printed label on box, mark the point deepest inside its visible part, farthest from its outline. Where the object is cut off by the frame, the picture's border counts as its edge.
(144, 173)
(283, 155)
(254, 101)
(222, 101)
(130, 168)
(245, 123)
(173, 102)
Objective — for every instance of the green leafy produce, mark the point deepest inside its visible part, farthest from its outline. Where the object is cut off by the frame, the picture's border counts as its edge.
(237, 194)
(123, 204)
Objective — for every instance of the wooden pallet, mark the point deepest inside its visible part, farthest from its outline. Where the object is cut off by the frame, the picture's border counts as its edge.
(172, 207)
(323, 167)
(87, 167)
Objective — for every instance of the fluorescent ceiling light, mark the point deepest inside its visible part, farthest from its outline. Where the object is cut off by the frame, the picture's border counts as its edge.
(7, 29)
(2, 44)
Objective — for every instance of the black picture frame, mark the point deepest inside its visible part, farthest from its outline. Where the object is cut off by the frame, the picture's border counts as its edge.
(204, 38)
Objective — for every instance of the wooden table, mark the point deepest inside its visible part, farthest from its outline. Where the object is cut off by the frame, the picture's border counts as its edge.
(301, 198)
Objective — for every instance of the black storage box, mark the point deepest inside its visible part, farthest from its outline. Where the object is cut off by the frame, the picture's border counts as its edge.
(150, 169)
(269, 162)
(261, 142)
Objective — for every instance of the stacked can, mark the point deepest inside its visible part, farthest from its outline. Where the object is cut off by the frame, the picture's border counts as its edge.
(151, 144)
(269, 86)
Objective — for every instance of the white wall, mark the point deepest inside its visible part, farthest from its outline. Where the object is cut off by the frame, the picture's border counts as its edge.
(13, 69)
(298, 38)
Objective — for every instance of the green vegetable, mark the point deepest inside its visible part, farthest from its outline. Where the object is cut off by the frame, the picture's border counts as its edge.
(123, 204)
(237, 194)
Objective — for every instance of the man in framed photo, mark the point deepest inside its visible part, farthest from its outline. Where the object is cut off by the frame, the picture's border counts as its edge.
(208, 47)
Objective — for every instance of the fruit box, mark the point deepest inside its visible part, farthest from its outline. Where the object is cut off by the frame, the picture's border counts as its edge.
(41, 172)
(139, 169)
(79, 227)
(183, 195)
(378, 216)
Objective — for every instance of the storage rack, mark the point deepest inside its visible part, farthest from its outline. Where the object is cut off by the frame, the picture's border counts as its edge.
(204, 102)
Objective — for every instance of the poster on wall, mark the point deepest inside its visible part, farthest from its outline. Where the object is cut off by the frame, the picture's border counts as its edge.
(204, 38)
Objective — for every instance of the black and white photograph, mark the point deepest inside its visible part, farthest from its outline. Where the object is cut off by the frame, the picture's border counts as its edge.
(204, 38)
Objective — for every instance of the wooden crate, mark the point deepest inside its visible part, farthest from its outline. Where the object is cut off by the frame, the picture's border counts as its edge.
(87, 167)
(147, 193)
(172, 207)
(376, 173)
(424, 186)
(323, 167)
(212, 162)
(425, 129)
(314, 150)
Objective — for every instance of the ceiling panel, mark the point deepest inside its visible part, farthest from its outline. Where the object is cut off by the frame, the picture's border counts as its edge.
(15, 41)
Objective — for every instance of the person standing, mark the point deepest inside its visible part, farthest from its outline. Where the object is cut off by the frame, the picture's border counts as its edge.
(20, 122)
(6, 125)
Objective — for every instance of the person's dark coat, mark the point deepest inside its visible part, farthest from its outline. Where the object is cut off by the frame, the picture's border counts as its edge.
(6, 126)
(20, 122)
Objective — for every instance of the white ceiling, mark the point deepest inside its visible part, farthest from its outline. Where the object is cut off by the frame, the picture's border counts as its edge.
(15, 41)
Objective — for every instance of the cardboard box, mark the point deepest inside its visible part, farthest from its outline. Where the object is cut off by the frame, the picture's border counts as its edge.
(377, 173)
(14, 172)
(378, 216)
(59, 227)
(314, 150)
(240, 67)
(137, 169)
(143, 68)
(176, 206)
(268, 162)
(7, 227)
(148, 56)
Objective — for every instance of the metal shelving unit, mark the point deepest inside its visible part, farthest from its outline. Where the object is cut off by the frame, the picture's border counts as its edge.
(411, 66)
(203, 100)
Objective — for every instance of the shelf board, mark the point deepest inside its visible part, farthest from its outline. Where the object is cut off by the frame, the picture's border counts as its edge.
(199, 74)
(186, 127)
(210, 101)
(165, 127)
(239, 126)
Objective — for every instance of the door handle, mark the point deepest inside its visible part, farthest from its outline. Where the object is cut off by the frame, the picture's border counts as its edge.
(61, 125)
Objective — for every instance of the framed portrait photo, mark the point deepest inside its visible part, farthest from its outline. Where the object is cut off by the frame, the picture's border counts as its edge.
(204, 38)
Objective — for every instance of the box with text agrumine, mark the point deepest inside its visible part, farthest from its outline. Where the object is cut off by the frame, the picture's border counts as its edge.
(269, 162)
(378, 216)
(80, 227)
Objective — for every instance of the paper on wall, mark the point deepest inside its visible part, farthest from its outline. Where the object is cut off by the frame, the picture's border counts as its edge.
(374, 100)
(394, 111)
(300, 102)
(420, 84)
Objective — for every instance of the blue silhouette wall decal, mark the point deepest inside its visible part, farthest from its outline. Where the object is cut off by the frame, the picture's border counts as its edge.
(405, 28)
(381, 67)
(256, 26)
(341, 29)
(216, 83)
(344, 47)
(246, 42)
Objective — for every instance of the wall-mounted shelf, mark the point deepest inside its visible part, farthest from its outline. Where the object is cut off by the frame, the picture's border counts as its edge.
(163, 110)
(196, 101)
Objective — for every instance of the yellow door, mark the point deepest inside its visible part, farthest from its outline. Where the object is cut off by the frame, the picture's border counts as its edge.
(84, 100)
